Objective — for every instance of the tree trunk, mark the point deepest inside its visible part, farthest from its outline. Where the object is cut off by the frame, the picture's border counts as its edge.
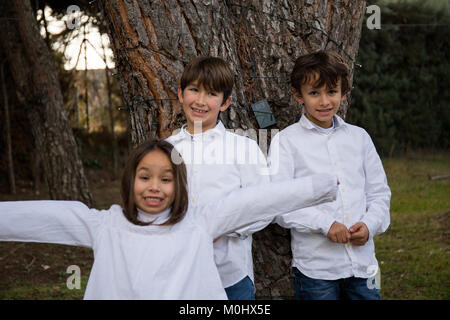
(12, 180)
(115, 150)
(38, 89)
(86, 93)
(154, 40)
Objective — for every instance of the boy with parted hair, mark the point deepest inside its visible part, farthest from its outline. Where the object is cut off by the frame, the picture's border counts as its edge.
(332, 244)
(218, 162)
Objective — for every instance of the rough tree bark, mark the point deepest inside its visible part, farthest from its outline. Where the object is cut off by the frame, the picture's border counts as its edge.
(38, 90)
(12, 180)
(153, 40)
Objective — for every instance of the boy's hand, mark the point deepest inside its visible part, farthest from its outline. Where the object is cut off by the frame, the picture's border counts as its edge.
(338, 233)
(216, 239)
(359, 234)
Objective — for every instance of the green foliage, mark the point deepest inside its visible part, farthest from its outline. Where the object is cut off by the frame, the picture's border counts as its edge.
(401, 91)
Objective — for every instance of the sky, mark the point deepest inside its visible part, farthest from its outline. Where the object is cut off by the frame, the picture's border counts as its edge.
(94, 48)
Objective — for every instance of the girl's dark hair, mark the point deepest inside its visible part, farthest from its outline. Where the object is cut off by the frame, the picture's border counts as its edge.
(180, 203)
(329, 66)
(212, 73)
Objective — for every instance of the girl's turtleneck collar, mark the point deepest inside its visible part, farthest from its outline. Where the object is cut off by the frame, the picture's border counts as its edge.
(155, 218)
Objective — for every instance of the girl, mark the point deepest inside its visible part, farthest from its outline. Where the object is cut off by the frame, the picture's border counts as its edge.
(150, 248)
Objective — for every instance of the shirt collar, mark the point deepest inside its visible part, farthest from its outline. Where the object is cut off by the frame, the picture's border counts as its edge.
(338, 122)
(217, 131)
(157, 218)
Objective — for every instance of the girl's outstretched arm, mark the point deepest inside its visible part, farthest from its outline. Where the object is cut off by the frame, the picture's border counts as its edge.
(248, 205)
(62, 222)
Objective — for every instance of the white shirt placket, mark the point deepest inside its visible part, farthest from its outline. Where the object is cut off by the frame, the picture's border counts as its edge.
(342, 194)
(193, 177)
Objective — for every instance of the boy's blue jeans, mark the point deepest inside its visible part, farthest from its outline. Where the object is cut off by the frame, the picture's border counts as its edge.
(243, 290)
(342, 289)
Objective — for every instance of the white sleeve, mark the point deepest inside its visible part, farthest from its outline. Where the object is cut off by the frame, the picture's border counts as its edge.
(253, 174)
(282, 167)
(308, 220)
(378, 193)
(243, 207)
(59, 222)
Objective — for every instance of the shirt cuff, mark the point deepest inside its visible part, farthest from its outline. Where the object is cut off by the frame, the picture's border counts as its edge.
(327, 182)
(371, 226)
(325, 223)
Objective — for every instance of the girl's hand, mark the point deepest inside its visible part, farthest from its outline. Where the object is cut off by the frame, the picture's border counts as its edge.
(214, 241)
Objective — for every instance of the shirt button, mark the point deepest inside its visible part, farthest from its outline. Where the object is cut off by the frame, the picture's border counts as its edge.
(347, 218)
(335, 163)
(347, 245)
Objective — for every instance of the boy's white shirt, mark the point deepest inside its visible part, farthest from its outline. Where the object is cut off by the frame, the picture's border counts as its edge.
(156, 262)
(364, 195)
(218, 162)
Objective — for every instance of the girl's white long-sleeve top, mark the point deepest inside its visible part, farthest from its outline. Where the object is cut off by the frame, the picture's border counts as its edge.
(157, 262)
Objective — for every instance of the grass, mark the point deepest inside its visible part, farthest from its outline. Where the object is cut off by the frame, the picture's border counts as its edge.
(413, 253)
(38, 271)
(45, 291)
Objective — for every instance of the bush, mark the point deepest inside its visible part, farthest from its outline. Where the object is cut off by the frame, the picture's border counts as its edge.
(401, 91)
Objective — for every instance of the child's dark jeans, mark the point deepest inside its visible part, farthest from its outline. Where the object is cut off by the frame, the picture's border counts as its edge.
(342, 289)
(243, 290)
